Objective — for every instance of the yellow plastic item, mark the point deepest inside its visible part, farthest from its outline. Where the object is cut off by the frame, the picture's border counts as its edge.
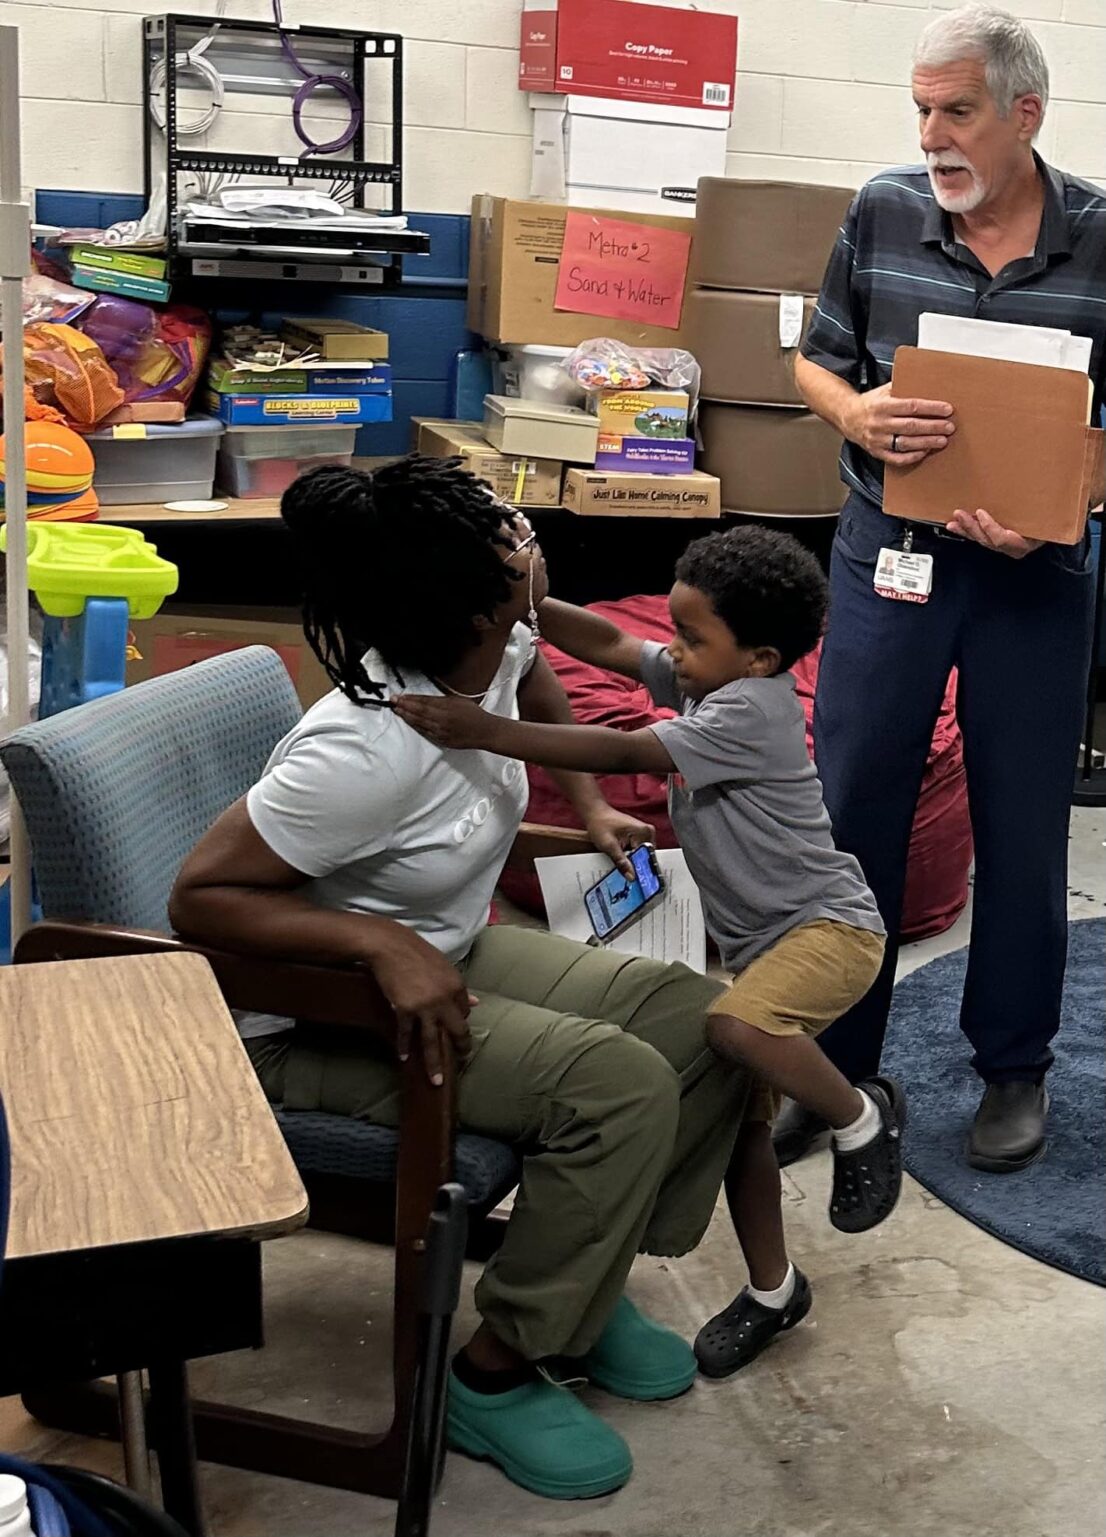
(69, 562)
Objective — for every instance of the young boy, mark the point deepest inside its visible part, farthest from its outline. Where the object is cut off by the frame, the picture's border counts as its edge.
(791, 915)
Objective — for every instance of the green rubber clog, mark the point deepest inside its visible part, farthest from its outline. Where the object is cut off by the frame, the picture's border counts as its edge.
(542, 1438)
(637, 1358)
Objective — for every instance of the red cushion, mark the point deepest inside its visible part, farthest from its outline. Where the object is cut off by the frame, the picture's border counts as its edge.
(941, 842)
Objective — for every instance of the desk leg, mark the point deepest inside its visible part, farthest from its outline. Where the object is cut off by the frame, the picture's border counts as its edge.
(132, 1423)
(175, 1440)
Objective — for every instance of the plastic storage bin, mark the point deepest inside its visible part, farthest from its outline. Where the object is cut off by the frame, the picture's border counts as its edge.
(255, 462)
(535, 373)
(162, 464)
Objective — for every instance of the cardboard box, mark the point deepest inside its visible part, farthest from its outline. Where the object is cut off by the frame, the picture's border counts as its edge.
(226, 378)
(297, 410)
(593, 493)
(645, 456)
(521, 481)
(772, 462)
(642, 53)
(162, 413)
(1022, 446)
(643, 413)
(336, 340)
(514, 255)
(540, 429)
(177, 638)
(769, 235)
(587, 149)
(736, 338)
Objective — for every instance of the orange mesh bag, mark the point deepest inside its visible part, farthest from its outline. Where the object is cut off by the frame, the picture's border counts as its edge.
(68, 371)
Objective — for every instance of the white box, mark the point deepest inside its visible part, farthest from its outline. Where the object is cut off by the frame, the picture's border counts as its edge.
(636, 157)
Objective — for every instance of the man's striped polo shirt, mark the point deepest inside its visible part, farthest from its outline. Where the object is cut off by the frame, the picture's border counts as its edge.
(896, 257)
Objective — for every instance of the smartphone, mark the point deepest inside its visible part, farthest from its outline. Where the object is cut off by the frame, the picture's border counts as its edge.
(614, 901)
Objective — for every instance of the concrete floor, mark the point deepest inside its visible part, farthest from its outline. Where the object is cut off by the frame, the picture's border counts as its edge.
(943, 1384)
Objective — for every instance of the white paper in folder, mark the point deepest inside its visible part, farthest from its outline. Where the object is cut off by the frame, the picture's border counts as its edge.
(671, 930)
(1043, 345)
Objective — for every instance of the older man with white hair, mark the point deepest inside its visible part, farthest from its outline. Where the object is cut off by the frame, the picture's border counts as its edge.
(985, 228)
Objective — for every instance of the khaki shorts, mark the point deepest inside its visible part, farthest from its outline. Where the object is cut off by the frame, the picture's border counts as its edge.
(801, 985)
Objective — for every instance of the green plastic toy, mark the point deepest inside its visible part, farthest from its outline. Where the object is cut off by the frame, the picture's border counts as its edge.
(69, 562)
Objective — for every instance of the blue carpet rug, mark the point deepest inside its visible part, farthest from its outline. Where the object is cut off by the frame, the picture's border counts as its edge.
(1055, 1210)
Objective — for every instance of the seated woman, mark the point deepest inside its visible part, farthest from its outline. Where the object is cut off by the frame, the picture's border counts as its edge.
(363, 842)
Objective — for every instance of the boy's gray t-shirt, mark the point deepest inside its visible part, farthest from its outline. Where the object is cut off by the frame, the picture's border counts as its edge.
(746, 805)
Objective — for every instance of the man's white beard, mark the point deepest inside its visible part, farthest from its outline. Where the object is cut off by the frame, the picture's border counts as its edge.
(955, 202)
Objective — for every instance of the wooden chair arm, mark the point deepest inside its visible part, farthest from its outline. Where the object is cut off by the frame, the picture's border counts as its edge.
(535, 840)
(331, 995)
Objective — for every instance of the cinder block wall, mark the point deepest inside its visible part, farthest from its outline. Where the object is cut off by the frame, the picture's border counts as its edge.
(822, 93)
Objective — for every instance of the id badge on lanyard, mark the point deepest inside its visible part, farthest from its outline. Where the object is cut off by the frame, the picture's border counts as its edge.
(903, 576)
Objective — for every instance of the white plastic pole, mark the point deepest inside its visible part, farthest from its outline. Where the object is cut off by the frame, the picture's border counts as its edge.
(15, 264)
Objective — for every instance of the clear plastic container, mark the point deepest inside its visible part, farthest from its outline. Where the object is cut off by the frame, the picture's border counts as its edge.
(257, 462)
(164, 464)
(534, 373)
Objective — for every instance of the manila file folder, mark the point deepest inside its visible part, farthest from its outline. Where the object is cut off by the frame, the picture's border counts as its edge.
(1022, 449)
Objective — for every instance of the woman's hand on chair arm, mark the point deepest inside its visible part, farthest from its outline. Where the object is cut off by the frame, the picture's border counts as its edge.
(235, 893)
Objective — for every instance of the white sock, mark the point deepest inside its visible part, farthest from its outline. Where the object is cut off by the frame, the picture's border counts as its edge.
(782, 1294)
(861, 1131)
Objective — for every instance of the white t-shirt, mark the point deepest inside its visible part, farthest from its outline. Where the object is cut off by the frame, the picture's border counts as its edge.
(386, 823)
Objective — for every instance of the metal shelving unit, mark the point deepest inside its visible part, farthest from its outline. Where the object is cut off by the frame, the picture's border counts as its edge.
(250, 58)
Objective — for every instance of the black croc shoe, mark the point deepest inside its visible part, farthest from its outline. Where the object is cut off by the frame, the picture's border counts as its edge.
(737, 1335)
(866, 1183)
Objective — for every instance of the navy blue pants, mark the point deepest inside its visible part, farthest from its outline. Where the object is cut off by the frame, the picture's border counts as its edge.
(1020, 634)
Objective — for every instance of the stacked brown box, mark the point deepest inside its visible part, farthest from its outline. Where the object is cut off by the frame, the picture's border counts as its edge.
(758, 257)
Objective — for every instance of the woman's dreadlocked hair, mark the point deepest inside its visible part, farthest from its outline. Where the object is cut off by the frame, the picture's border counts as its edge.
(399, 561)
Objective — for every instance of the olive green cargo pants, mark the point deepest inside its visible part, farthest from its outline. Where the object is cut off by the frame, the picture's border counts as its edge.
(595, 1065)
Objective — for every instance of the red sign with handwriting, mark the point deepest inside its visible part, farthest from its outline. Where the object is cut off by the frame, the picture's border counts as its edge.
(622, 270)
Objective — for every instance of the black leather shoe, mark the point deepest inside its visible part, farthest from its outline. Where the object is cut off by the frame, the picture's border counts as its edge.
(1008, 1132)
(794, 1132)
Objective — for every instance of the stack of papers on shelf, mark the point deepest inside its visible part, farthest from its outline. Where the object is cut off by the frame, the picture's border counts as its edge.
(332, 217)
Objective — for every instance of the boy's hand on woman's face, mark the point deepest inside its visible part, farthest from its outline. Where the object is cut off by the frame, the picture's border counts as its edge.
(450, 723)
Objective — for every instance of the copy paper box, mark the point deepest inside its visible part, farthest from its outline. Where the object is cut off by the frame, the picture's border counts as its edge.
(643, 413)
(523, 482)
(1022, 448)
(594, 493)
(639, 159)
(515, 250)
(647, 53)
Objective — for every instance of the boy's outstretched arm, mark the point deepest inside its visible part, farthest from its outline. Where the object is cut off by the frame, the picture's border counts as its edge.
(590, 638)
(461, 723)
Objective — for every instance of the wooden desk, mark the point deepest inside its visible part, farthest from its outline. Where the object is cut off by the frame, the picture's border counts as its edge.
(134, 1113)
(146, 1165)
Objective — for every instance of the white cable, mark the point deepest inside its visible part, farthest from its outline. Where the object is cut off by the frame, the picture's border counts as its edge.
(192, 61)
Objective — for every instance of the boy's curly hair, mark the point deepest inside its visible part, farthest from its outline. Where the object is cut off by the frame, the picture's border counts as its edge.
(764, 585)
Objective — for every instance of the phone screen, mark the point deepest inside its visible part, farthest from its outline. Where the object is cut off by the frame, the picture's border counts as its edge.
(615, 899)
